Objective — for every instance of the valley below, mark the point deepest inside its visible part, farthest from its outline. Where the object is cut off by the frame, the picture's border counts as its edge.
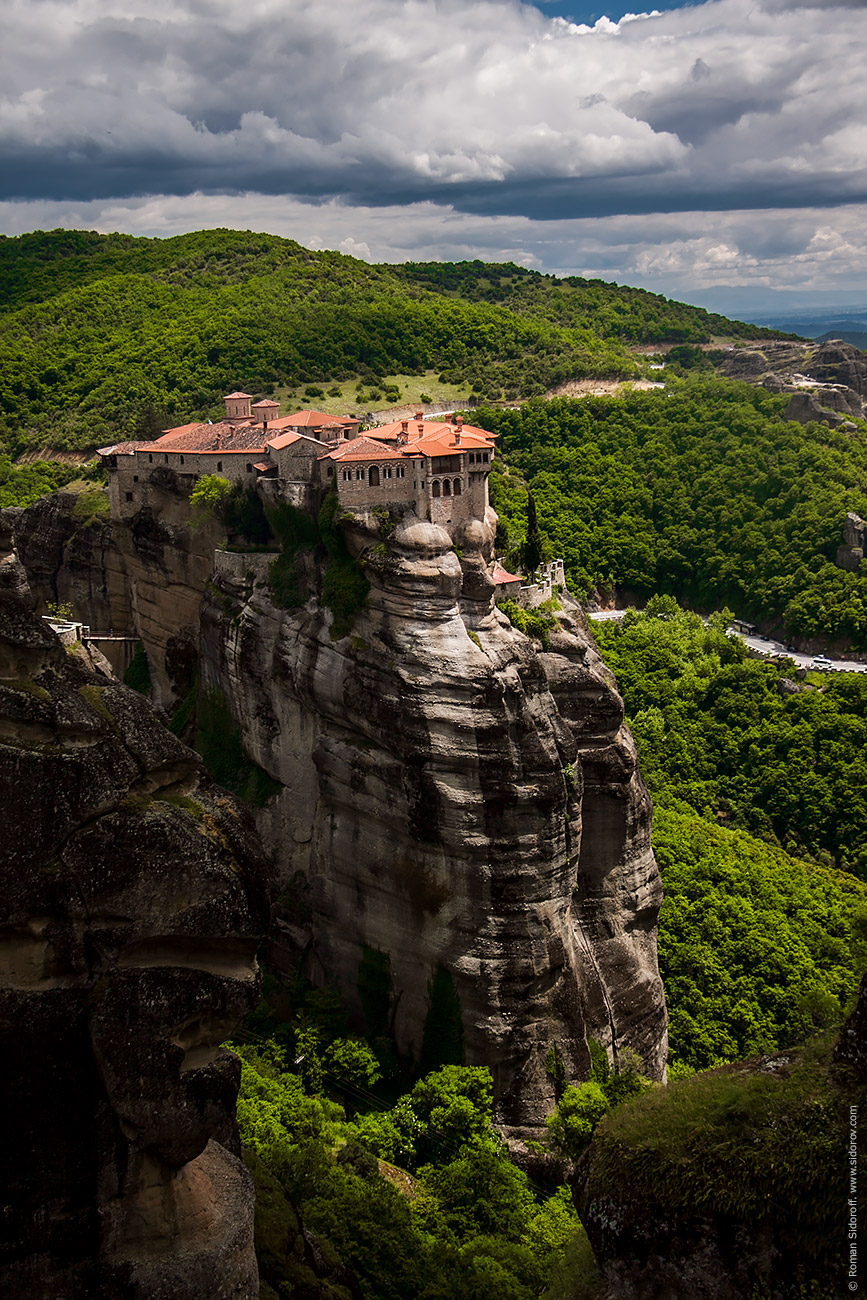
(378, 926)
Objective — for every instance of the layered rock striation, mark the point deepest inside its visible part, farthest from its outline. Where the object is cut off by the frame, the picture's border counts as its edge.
(452, 796)
(132, 897)
(456, 800)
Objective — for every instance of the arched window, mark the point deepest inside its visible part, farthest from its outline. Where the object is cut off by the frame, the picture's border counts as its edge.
(447, 488)
(373, 476)
(457, 487)
(435, 490)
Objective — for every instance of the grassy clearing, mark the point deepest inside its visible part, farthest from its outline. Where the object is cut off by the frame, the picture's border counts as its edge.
(415, 390)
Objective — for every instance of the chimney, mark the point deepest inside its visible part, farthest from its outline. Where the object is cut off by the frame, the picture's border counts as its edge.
(404, 425)
(457, 435)
(459, 421)
(420, 429)
(419, 415)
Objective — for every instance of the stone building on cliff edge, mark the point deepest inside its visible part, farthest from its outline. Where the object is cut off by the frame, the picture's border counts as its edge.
(439, 468)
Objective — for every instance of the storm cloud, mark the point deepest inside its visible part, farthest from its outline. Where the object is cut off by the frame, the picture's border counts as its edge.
(484, 109)
(491, 106)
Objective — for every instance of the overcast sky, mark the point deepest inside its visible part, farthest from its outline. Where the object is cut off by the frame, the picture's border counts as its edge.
(702, 145)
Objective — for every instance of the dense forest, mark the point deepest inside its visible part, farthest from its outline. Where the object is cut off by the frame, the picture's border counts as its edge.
(704, 492)
(102, 333)
(758, 780)
(398, 1168)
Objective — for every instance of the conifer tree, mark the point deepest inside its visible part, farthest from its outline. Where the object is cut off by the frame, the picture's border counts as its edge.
(533, 544)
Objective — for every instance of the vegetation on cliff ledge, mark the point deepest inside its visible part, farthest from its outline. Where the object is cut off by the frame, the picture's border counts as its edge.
(756, 1153)
(466, 1225)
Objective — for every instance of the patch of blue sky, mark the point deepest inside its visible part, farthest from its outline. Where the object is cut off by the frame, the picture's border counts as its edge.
(590, 11)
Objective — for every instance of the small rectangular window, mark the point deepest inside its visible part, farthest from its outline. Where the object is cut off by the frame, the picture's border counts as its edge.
(135, 478)
(182, 460)
(219, 465)
(129, 496)
(150, 457)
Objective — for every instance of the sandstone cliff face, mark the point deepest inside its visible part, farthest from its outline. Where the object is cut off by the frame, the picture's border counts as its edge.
(131, 900)
(452, 796)
(455, 799)
(145, 578)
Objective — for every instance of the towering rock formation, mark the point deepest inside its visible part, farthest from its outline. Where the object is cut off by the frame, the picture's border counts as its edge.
(453, 796)
(456, 800)
(131, 900)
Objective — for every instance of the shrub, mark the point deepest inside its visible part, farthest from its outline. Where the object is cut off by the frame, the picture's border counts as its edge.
(137, 674)
(344, 591)
(575, 1118)
(532, 622)
(91, 506)
(208, 498)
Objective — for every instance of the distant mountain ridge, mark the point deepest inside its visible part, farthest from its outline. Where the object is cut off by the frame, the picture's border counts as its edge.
(99, 333)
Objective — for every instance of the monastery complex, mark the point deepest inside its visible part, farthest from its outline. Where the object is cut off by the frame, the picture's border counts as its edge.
(440, 468)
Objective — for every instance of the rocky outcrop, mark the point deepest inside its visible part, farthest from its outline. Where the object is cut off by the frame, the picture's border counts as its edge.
(131, 902)
(457, 800)
(734, 1183)
(147, 577)
(451, 794)
(851, 553)
(828, 381)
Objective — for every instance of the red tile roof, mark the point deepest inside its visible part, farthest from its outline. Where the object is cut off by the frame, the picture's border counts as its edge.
(212, 437)
(286, 440)
(362, 448)
(230, 395)
(501, 576)
(180, 428)
(120, 449)
(441, 442)
(429, 427)
(316, 418)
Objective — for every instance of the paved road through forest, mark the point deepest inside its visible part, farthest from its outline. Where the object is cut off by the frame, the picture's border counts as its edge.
(762, 645)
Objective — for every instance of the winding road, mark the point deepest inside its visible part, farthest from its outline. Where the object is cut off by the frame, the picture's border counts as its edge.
(761, 645)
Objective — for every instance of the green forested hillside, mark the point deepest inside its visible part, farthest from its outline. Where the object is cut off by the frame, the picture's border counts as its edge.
(702, 491)
(96, 329)
(758, 947)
